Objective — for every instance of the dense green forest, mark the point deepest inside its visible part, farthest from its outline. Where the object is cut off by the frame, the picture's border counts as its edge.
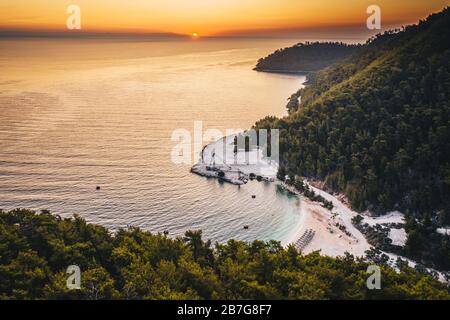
(36, 249)
(376, 126)
(305, 57)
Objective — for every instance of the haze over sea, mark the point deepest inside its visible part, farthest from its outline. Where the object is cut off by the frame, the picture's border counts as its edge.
(76, 114)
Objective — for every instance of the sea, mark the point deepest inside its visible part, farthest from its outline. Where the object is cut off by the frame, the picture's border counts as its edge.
(77, 115)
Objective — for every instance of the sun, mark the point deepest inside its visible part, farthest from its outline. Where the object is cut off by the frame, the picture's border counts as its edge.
(195, 35)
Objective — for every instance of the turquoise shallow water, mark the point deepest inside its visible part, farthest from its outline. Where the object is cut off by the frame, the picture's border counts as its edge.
(77, 114)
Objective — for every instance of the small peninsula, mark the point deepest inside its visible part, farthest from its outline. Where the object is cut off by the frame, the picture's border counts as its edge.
(305, 57)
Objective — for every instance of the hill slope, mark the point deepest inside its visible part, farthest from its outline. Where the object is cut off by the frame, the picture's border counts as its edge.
(376, 126)
(36, 249)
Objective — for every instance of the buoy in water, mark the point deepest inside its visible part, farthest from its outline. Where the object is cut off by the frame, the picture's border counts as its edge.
(253, 196)
(245, 227)
(97, 188)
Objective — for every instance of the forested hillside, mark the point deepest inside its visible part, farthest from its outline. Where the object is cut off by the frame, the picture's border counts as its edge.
(305, 57)
(376, 127)
(36, 249)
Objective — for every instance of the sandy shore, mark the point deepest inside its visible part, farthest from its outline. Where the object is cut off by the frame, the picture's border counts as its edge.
(333, 241)
(330, 237)
(335, 232)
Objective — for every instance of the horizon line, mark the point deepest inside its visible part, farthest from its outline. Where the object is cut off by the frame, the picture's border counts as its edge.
(350, 31)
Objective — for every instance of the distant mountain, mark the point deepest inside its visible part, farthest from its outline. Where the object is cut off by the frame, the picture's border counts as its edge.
(376, 126)
(305, 57)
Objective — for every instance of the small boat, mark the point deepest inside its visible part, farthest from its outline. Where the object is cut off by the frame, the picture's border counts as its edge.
(166, 232)
(97, 188)
(246, 227)
(253, 196)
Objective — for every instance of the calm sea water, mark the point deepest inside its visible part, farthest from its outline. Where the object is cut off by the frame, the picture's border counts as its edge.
(76, 114)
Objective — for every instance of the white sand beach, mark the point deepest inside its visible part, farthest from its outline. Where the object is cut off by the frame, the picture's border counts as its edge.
(330, 238)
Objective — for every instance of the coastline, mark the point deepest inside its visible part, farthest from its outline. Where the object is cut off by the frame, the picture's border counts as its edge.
(330, 240)
(281, 71)
(331, 232)
(335, 233)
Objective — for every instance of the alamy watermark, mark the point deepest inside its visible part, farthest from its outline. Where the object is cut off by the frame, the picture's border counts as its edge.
(374, 280)
(73, 22)
(374, 20)
(74, 279)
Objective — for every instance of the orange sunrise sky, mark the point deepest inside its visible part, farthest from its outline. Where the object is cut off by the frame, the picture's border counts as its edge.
(210, 17)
